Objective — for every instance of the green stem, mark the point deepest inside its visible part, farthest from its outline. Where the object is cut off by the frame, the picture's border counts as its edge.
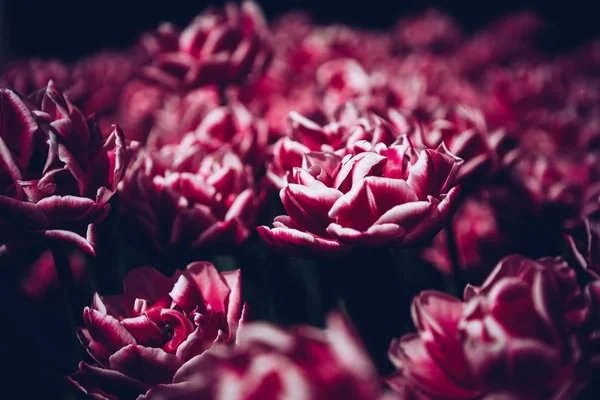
(456, 281)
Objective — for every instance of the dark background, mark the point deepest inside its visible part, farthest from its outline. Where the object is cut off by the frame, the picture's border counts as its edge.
(70, 29)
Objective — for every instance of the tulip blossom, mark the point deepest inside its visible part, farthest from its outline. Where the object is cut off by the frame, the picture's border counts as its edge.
(150, 114)
(218, 47)
(306, 136)
(270, 363)
(518, 335)
(234, 126)
(56, 172)
(98, 81)
(141, 338)
(27, 76)
(376, 196)
(557, 186)
(183, 197)
(432, 31)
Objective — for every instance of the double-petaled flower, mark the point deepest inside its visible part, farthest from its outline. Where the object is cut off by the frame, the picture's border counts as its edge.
(140, 339)
(183, 197)
(519, 335)
(236, 127)
(57, 174)
(224, 46)
(375, 196)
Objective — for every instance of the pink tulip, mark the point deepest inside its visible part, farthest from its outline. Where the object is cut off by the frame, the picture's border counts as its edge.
(519, 335)
(376, 196)
(141, 338)
(56, 172)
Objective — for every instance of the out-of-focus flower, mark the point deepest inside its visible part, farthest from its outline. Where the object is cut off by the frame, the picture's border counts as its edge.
(234, 126)
(150, 114)
(518, 335)
(270, 363)
(432, 31)
(41, 277)
(479, 241)
(337, 138)
(183, 197)
(342, 80)
(56, 172)
(98, 81)
(27, 76)
(274, 97)
(369, 48)
(179, 83)
(558, 186)
(141, 338)
(464, 131)
(224, 46)
(378, 195)
(507, 40)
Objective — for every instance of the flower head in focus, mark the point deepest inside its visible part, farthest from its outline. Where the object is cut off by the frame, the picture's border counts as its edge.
(140, 338)
(377, 195)
(57, 174)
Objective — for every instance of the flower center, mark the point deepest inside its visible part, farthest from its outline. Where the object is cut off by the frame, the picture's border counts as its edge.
(167, 333)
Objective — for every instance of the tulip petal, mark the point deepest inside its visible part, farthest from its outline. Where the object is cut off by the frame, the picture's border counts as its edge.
(309, 206)
(107, 383)
(373, 196)
(23, 213)
(63, 209)
(432, 174)
(148, 365)
(71, 237)
(410, 356)
(301, 244)
(17, 126)
(106, 331)
(376, 235)
(234, 281)
(357, 168)
(437, 317)
(201, 284)
(406, 215)
(144, 330)
(242, 206)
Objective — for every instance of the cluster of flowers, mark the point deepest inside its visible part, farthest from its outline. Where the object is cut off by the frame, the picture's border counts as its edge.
(371, 139)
